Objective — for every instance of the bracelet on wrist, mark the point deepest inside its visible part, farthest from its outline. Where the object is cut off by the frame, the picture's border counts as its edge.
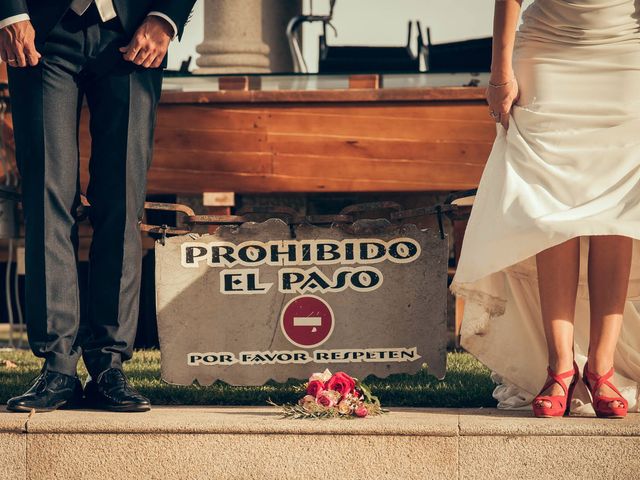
(498, 85)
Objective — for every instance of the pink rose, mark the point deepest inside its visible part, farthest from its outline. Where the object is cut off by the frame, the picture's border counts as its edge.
(327, 399)
(361, 411)
(341, 383)
(315, 388)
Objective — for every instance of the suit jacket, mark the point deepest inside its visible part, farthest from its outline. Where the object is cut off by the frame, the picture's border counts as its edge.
(46, 13)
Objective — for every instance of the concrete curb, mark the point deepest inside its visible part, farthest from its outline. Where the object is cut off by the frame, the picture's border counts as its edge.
(254, 442)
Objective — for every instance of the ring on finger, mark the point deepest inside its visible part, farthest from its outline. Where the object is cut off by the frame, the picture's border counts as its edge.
(11, 60)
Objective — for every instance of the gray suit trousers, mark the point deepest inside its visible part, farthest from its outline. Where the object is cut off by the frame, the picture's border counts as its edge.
(80, 60)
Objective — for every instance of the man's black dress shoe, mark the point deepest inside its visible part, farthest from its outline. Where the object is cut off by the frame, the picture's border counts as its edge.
(111, 391)
(50, 391)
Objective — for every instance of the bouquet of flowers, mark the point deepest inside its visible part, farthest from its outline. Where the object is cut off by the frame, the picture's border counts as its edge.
(333, 396)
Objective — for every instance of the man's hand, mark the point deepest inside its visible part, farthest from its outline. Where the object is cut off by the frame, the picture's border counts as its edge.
(150, 42)
(17, 44)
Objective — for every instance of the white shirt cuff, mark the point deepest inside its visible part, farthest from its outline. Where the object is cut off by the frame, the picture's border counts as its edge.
(168, 19)
(5, 22)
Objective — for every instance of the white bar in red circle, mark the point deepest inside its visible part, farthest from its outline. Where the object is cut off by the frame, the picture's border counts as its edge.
(307, 321)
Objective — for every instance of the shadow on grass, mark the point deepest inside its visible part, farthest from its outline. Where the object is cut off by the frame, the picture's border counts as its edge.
(466, 385)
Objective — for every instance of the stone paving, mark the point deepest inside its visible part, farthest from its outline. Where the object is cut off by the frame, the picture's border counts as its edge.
(256, 443)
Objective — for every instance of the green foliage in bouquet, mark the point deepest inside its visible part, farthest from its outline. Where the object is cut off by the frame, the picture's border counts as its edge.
(333, 396)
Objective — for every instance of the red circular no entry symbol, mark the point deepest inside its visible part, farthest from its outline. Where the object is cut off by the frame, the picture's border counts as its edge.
(307, 321)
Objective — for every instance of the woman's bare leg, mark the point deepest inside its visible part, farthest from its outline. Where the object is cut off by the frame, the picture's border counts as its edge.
(558, 269)
(609, 268)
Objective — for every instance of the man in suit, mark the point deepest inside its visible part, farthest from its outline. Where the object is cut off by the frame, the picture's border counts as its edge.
(58, 52)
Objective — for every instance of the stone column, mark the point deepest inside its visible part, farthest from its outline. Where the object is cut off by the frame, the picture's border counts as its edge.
(246, 36)
(233, 38)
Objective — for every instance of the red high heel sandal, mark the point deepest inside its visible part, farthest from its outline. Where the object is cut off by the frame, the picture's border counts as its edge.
(559, 403)
(601, 404)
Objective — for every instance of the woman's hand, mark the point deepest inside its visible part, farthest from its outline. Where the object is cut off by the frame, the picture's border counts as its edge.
(501, 99)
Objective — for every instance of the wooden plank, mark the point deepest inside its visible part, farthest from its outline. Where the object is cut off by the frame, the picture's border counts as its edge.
(182, 182)
(216, 138)
(373, 81)
(375, 170)
(426, 161)
(319, 173)
(391, 110)
(471, 152)
(241, 83)
(207, 117)
(197, 163)
(377, 127)
(236, 116)
(322, 124)
(219, 140)
(229, 161)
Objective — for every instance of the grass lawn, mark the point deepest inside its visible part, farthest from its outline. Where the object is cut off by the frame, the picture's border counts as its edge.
(467, 384)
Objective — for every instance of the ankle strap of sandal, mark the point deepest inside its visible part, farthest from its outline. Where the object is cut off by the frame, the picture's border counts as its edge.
(558, 378)
(599, 380)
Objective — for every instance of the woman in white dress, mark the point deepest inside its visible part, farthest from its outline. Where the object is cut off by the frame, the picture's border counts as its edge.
(550, 262)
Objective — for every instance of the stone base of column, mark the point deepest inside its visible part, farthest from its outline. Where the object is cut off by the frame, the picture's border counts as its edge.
(226, 57)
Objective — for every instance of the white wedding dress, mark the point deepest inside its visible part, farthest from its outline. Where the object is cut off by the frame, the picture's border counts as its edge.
(568, 166)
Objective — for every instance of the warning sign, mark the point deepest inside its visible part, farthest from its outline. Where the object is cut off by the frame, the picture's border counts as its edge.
(260, 302)
(307, 321)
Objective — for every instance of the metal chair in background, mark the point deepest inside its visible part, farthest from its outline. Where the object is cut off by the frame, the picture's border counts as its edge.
(473, 55)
